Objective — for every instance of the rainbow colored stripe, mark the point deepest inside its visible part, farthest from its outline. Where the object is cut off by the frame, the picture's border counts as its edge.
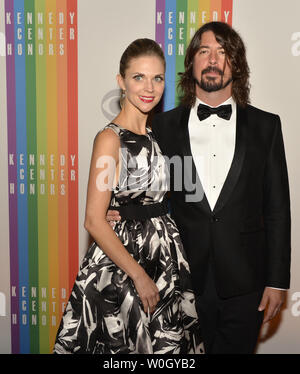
(42, 120)
(176, 23)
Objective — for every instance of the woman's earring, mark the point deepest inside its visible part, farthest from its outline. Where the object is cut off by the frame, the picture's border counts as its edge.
(122, 98)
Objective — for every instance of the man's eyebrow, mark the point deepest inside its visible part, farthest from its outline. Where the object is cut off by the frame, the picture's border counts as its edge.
(207, 46)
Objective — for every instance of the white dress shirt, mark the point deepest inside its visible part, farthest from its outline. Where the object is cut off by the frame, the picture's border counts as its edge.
(212, 145)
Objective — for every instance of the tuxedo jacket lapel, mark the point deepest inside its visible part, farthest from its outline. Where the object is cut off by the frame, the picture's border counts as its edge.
(190, 170)
(237, 162)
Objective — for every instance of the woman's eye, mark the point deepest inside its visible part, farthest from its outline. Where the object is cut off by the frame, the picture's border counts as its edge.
(159, 79)
(137, 77)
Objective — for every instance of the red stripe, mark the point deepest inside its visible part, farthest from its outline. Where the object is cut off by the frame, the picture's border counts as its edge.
(227, 6)
(73, 139)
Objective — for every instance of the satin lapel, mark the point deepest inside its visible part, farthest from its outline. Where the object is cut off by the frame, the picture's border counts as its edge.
(237, 162)
(189, 167)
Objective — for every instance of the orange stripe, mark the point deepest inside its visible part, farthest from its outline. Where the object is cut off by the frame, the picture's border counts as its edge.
(215, 10)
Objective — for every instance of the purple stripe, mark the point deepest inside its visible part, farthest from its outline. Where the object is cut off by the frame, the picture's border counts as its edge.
(160, 23)
(12, 174)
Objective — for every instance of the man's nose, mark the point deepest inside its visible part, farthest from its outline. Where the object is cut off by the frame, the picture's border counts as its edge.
(213, 58)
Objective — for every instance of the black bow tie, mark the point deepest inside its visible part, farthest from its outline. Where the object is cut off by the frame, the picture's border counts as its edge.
(223, 111)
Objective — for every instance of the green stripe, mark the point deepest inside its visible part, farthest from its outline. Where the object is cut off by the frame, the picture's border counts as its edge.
(181, 24)
(31, 176)
(41, 107)
(192, 22)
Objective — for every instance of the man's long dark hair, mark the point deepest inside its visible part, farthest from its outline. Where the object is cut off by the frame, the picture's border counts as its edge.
(235, 52)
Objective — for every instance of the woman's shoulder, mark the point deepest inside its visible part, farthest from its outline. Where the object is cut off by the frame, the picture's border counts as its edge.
(110, 129)
(107, 138)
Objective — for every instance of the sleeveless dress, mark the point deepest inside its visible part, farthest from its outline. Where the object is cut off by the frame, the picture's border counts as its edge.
(104, 314)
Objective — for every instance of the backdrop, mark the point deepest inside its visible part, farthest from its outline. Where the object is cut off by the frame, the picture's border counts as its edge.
(58, 62)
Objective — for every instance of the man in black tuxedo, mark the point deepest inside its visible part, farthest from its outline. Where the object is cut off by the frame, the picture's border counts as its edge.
(237, 235)
(233, 210)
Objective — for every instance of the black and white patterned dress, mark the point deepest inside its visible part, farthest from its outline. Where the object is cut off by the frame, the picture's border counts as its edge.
(104, 314)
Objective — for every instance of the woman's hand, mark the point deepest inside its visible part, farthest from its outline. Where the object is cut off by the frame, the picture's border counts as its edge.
(145, 287)
(147, 291)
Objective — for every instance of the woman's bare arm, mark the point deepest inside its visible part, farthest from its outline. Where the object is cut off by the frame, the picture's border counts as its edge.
(101, 178)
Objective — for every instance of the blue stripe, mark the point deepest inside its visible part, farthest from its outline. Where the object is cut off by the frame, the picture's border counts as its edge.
(22, 174)
(170, 53)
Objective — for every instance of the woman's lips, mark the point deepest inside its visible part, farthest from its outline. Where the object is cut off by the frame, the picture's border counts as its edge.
(147, 99)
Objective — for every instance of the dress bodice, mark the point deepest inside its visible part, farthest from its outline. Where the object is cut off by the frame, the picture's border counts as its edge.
(143, 176)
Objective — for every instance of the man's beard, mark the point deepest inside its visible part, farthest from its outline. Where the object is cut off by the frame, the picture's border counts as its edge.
(210, 84)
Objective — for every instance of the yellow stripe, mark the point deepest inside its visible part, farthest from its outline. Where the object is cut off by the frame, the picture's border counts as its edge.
(53, 259)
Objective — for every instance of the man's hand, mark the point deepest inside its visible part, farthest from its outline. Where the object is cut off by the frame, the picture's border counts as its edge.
(112, 216)
(273, 300)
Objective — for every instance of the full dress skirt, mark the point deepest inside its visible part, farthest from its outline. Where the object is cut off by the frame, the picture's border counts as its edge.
(104, 314)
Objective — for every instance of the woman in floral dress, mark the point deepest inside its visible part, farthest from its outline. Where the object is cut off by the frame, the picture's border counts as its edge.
(133, 291)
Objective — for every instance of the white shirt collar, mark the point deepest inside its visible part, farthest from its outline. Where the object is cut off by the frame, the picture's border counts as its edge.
(228, 101)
